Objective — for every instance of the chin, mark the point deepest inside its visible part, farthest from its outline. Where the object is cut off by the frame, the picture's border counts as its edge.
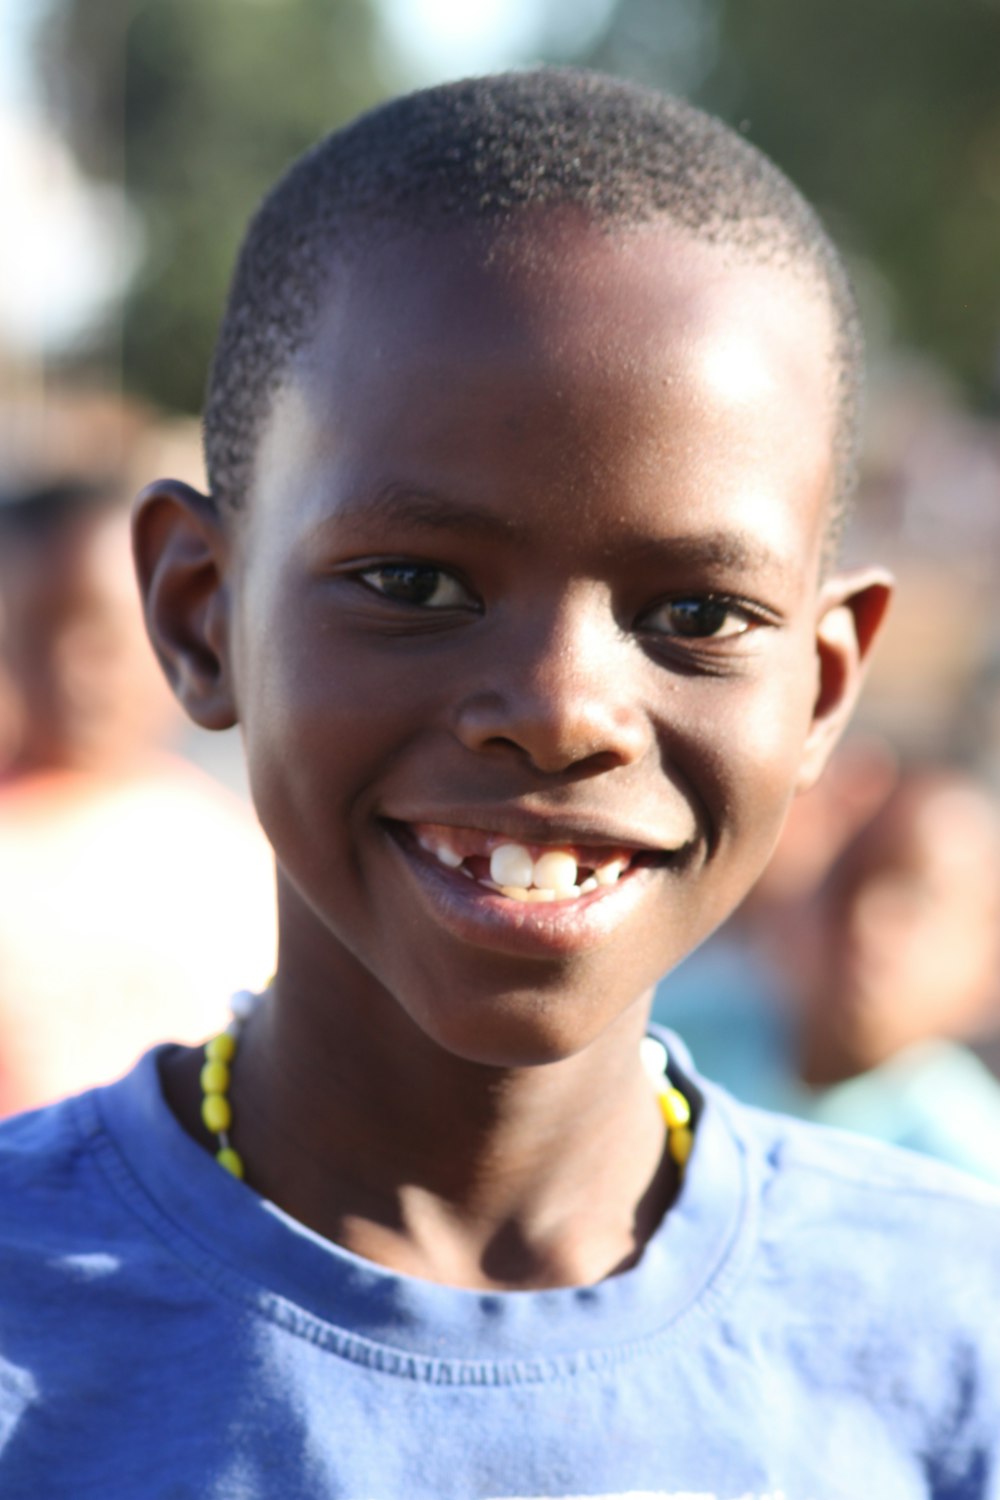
(527, 1032)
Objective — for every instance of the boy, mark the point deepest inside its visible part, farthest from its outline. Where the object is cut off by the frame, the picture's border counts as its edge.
(531, 407)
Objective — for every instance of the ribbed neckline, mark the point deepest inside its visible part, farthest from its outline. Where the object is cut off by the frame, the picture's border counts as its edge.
(252, 1250)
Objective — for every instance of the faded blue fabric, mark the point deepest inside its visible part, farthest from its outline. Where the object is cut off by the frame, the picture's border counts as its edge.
(816, 1319)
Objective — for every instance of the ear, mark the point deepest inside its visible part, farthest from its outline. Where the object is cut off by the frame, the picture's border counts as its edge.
(180, 551)
(851, 609)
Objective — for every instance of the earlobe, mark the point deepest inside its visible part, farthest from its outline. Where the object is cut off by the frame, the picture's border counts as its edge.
(852, 608)
(180, 554)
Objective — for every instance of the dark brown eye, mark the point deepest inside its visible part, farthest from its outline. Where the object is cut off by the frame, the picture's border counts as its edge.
(417, 584)
(699, 618)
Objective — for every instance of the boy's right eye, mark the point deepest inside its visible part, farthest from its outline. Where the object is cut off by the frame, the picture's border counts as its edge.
(417, 584)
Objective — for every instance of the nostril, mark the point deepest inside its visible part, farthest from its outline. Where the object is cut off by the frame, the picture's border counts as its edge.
(555, 729)
(503, 743)
(556, 761)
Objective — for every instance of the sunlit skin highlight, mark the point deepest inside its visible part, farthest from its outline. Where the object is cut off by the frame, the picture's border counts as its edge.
(497, 506)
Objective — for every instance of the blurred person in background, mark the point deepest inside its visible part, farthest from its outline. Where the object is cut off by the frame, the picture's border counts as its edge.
(90, 972)
(896, 963)
(872, 984)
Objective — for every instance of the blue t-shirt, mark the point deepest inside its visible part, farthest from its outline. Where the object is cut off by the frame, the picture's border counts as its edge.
(817, 1318)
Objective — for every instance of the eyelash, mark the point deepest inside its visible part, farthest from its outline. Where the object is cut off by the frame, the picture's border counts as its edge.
(459, 596)
(400, 568)
(746, 615)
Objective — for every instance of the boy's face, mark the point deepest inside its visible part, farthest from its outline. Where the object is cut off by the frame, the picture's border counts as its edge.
(533, 558)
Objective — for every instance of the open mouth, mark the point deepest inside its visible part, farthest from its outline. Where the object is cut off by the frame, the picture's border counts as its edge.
(528, 872)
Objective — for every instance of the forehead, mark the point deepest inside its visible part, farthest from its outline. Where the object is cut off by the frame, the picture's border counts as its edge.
(593, 358)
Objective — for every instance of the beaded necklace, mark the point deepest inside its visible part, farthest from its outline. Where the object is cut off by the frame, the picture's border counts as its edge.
(217, 1113)
(216, 1110)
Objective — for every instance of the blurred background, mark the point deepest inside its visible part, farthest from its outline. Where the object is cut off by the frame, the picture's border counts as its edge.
(137, 135)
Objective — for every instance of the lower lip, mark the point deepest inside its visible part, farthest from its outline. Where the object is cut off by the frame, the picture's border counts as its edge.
(530, 929)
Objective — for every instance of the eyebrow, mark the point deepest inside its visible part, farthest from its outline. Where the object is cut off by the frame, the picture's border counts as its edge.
(403, 505)
(738, 551)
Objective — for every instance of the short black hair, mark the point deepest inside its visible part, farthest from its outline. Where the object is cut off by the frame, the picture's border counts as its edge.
(480, 151)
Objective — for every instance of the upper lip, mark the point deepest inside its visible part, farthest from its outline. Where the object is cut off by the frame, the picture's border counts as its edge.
(529, 828)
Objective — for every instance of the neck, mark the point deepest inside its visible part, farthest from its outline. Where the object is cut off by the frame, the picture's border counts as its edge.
(446, 1169)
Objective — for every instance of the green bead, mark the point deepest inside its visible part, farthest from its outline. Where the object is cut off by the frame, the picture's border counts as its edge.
(231, 1160)
(216, 1113)
(215, 1078)
(221, 1047)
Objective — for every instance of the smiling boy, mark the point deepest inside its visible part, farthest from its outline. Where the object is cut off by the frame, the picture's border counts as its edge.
(531, 420)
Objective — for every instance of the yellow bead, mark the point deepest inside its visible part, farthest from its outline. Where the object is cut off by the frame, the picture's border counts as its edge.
(676, 1110)
(679, 1143)
(231, 1160)
(216, 1113)
(215, 1078)
(221, 1047)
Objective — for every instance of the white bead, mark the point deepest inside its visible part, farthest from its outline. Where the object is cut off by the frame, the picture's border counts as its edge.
(511, 864)
(654, 1058)
(243, 1004)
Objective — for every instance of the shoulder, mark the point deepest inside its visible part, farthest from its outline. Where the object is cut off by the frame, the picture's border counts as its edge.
(66, 1190)
(874, 1230)
(840, 1162)
(811, 1170)
(836, 1217)
(870, 1275)
(51, 1191)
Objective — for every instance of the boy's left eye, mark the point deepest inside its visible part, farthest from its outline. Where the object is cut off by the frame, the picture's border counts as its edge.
(417, 584)
(700, 618)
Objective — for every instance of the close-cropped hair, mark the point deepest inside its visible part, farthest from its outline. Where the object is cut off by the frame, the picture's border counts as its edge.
(480, 152)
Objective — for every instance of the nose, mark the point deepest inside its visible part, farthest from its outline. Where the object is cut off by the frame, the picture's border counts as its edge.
(561, 690)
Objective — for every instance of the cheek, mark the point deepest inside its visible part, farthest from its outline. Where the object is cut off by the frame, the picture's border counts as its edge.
(744, 742)
(322, 721)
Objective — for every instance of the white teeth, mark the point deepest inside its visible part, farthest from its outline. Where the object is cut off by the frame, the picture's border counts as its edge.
(554, 876)
(511, 865)
(442, 852)
(550, 877)
(555, 871)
